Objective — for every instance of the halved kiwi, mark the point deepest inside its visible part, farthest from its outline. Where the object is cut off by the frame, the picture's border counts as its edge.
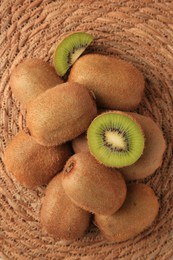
(69, 50)
(115, 139)
(137, 213)
(152, 156)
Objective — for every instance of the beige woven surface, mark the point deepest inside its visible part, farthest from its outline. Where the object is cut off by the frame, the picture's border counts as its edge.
(137, 31)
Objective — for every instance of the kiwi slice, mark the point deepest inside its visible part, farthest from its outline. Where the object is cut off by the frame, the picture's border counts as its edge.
(115, 139)
(69, 50)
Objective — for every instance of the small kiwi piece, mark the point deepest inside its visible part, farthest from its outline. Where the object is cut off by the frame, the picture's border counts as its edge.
(31, 163)
(69, 50)
(137, 214)
(32, 77)
(93, 186)
(152, 156)
(61, 218)
(80, 144)
(116, 83)
(60, 114)
(115, 139)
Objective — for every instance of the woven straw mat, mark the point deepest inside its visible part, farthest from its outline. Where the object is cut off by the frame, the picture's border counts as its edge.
(136, 31)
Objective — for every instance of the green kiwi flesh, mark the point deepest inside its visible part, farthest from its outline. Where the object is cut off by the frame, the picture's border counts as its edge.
(93, 186)
(59, 217)
(116, 83)
(60, 114)
(137, 214)
(115, 139)
(152, 156)
(31, 163)
(69, 50)
(31, 78)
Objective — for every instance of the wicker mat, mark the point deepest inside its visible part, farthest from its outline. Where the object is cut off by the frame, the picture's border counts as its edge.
(137, 31)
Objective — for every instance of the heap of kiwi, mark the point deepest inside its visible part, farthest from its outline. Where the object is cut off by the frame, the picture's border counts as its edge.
(110, 146)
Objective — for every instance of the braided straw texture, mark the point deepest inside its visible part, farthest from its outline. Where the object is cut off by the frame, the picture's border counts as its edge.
(137, 31)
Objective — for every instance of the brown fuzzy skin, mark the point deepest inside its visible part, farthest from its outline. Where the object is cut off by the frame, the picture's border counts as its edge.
(31, 78)
(137, 214)
(79, 144)
(60, 114)
(59, 216)
(93, 186)
(152, 156)
(33, 164)
(117, 84)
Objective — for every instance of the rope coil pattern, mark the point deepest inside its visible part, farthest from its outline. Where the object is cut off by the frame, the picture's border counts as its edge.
(137, 31)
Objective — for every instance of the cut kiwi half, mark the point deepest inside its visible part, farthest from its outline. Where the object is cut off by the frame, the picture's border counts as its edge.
(69, 50)
(115, 139)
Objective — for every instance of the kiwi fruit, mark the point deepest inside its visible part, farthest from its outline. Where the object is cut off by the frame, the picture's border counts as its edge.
(116, 83)
(69, 50)
(80, 144)
(60, 114)
(115, 139)
(59, 216)
(137, 214)
(31, 163)
(152, 156)
(32, 77)
(93, 186)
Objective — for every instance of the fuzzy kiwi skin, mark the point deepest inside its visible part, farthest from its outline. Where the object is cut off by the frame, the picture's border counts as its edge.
(111, 79)
(32, 77)
(93, 186)
(154, 149)
(137, 214)
(80, 144)
(60, 114)
(59, 216)
(33, 164)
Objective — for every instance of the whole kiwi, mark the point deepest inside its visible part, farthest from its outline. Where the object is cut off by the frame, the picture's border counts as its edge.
(80, 144)
(31, 163)
(92, 186)
(59, 216)
(137, 213)
(154, 149)
(32, 77)
(116, 83)
(60, 114)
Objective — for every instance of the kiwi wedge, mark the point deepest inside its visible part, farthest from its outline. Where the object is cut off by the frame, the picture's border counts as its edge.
(116, 83)
(33, 164)
(93, 186)
(137, 214)
(152, 156)
(115, 139)
(59, 217)
(69, 50)
(60, 114)
(31, 78)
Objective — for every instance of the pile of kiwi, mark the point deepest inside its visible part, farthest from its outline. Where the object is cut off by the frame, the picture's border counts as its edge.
(84, 140)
